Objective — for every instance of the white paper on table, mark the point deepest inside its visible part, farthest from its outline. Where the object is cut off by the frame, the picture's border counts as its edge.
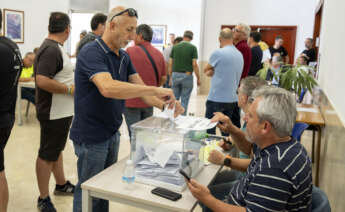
(306, 109)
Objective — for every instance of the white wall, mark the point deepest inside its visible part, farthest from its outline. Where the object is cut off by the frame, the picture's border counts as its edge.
(36, 18)
(331, 69)
(178, 15)
(258, 12)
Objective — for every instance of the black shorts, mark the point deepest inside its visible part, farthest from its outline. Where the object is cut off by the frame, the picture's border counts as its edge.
(4, 135)
(53, 137)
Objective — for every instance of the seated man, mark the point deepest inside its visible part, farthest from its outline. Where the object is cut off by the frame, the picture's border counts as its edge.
(26, 76)
(227, 177)
(279, 177)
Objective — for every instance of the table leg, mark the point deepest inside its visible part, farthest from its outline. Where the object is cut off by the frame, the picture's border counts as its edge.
(86, 201)
(318, 149)
(19, 104)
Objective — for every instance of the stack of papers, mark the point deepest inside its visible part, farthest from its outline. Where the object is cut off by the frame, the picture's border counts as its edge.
(162, 163)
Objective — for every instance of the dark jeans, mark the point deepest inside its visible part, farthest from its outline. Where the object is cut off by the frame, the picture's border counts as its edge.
(222, 185)
(229, 109)
(28, 94)
(133, 115)
(166, 84)
(92, 159)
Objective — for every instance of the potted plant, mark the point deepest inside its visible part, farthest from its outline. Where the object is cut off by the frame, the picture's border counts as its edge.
(292, 77)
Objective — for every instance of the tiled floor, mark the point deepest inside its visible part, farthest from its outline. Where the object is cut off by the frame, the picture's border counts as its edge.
(21, 152)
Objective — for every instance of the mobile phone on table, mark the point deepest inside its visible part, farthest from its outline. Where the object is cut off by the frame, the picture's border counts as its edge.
(183, 173)
(162, 192)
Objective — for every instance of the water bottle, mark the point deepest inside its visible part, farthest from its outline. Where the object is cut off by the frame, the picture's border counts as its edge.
(128, 173)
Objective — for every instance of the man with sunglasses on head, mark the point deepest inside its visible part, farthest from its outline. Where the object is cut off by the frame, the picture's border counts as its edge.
(105, 77)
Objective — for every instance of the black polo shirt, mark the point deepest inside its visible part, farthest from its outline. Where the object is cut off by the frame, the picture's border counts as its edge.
(10, 70)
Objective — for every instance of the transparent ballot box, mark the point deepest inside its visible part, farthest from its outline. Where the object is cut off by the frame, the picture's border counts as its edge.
(160, 148)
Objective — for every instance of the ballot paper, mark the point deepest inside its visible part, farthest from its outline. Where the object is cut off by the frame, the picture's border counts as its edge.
(194, 123)
(189, 122)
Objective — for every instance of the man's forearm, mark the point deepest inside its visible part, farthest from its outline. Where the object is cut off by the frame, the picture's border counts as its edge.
(51, 85)
(153, 101)
(239, 139)
(220, 206)
(196, 71)
(125, 90)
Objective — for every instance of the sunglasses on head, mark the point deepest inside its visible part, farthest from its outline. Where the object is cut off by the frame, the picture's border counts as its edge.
(131, 12)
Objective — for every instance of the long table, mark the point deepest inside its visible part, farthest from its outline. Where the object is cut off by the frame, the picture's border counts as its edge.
(310, 114)
(109, 186)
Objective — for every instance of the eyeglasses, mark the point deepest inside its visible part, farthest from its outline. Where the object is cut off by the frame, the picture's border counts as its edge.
(131, 12)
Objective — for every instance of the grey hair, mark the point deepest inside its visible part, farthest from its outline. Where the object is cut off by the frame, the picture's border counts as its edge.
(249, 84)
(277, 106)
(145, 31)
(226, 34)
(245, 28)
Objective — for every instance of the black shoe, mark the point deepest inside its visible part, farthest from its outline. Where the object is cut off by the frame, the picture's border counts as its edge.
(63, 190)
(45, 205)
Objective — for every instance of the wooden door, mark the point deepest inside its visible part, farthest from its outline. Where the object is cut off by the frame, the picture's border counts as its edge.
(317, 27)
(268, 34)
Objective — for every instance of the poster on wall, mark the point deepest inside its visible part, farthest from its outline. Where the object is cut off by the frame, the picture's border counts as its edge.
(14, 25)
(159, 35)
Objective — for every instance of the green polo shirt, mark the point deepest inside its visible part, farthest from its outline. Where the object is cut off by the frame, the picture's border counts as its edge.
(183, 55)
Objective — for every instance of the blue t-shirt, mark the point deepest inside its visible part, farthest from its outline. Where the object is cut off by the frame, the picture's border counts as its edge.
(227, 63)
(96, 117)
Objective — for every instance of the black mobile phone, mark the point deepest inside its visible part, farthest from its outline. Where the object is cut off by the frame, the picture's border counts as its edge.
(183, 173)
(162, 192)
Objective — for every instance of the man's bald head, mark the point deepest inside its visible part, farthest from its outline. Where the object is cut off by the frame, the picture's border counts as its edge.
(115, 11)
(120, 27)
(225, 37)
(225, 34)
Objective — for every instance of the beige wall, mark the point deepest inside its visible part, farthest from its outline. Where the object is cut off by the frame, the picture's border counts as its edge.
(332, 160)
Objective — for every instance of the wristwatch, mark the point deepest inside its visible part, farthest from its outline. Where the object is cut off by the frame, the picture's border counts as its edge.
(227, 161)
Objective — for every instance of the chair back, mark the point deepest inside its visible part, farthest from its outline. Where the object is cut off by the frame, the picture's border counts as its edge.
(298, 130)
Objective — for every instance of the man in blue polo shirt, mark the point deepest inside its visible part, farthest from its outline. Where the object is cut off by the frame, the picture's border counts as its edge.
(104, 78)
(225, 67)
(279, 175)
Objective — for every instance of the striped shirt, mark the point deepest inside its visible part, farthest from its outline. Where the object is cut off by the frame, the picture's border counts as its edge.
(279, 178)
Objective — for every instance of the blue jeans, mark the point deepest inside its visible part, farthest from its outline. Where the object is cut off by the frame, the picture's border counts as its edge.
(229, 109)
(182, 85)
(133, 115)
(29, 94)
(92, 159)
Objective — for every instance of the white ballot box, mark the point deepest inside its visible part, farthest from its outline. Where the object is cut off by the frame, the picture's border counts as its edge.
(160, 147)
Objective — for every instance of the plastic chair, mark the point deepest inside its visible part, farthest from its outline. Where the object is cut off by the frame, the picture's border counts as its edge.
(319, 201)
(298, 130)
